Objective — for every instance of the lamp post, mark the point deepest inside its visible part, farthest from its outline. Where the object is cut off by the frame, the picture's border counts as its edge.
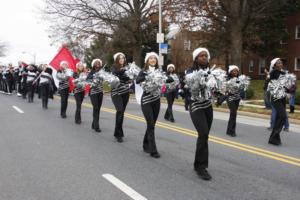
(160, 38)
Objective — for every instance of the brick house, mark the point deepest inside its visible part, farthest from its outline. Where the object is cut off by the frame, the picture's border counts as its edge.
(184, 42)
(254, 65)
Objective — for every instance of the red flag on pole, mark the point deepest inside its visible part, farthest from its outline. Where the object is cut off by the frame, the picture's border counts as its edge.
(65, 55)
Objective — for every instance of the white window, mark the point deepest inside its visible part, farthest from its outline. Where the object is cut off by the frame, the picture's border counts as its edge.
(298, 32)
(297, 64)
(262, 66)
(187, 45)
(251, 66)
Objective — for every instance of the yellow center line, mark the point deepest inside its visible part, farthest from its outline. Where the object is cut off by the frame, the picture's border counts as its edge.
(194, 133)
(247, 148)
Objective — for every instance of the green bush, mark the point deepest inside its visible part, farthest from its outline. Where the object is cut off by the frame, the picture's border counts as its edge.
(297, 99)
(249, 93)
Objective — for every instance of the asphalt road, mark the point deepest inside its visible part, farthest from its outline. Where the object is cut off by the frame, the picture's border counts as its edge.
(44, 157)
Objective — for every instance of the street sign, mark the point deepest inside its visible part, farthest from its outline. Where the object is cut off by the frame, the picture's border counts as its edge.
(160, 38)
(164, 48)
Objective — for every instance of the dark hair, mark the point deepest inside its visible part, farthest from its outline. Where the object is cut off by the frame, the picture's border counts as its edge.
(117, 64)
(146, 66)
(93, 67)
(48, 70)
(229, 75)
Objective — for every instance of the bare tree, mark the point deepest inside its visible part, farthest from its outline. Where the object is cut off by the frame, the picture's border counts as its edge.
(228, 21)
(91, 18)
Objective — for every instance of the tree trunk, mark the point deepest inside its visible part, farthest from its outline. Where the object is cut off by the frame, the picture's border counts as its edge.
(236, 40)
(235, 32)
(137, 56)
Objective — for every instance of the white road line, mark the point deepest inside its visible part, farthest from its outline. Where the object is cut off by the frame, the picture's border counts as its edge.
(18, 109)
(123, 187)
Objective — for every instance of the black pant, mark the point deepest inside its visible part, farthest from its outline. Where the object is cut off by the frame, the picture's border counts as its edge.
(280, 107)
(187, 98)
(44, 91)
(30, 90)
(19, 87)
(170, 99)
(96, 100)
(202, 120)
(24, 89)
(9, 86)
(120, 102)
(233, 107)
(79, 99)
(151, 112)
(64, 95)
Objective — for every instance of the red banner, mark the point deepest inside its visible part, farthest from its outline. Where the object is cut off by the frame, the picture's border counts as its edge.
(65, 55)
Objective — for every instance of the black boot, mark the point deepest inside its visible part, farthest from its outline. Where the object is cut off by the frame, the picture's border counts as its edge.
(203, 174)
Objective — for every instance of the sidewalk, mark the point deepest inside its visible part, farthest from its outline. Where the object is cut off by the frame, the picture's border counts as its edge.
(260, 106)
(224, 109)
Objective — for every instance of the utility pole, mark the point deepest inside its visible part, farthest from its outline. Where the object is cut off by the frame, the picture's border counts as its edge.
(160, 40)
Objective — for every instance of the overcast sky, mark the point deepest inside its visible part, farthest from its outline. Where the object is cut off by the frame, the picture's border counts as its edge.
(22, 28)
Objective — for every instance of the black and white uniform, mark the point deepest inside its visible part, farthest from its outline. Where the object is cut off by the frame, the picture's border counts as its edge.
(201, 113)
(31, 76)
(79, 89)
(9, 79)
(171, 84)
(96, 96)
(280, 107)
(46, 86)
(24, 73)
(63, 89)
(120, 97)
(150, 104)
(19, 81)
(233, 102)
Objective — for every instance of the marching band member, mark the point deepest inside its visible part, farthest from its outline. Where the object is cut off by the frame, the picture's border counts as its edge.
(63, 77)
(46, 86)
(24, 73)
(31, 76)
(9, 78)
(96, 92)
(120, 94)
(79, 90)
(171, 91)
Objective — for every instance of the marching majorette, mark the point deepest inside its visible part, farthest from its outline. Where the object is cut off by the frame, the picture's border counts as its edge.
(235, 86)
(120, 94)
(171, 91)
(151, 80)
(96, 92)
(280, 83)
(79, 90)
(63, 75)
(201, 113)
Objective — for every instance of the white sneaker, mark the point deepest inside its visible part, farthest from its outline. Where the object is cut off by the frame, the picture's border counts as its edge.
(19, 95)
